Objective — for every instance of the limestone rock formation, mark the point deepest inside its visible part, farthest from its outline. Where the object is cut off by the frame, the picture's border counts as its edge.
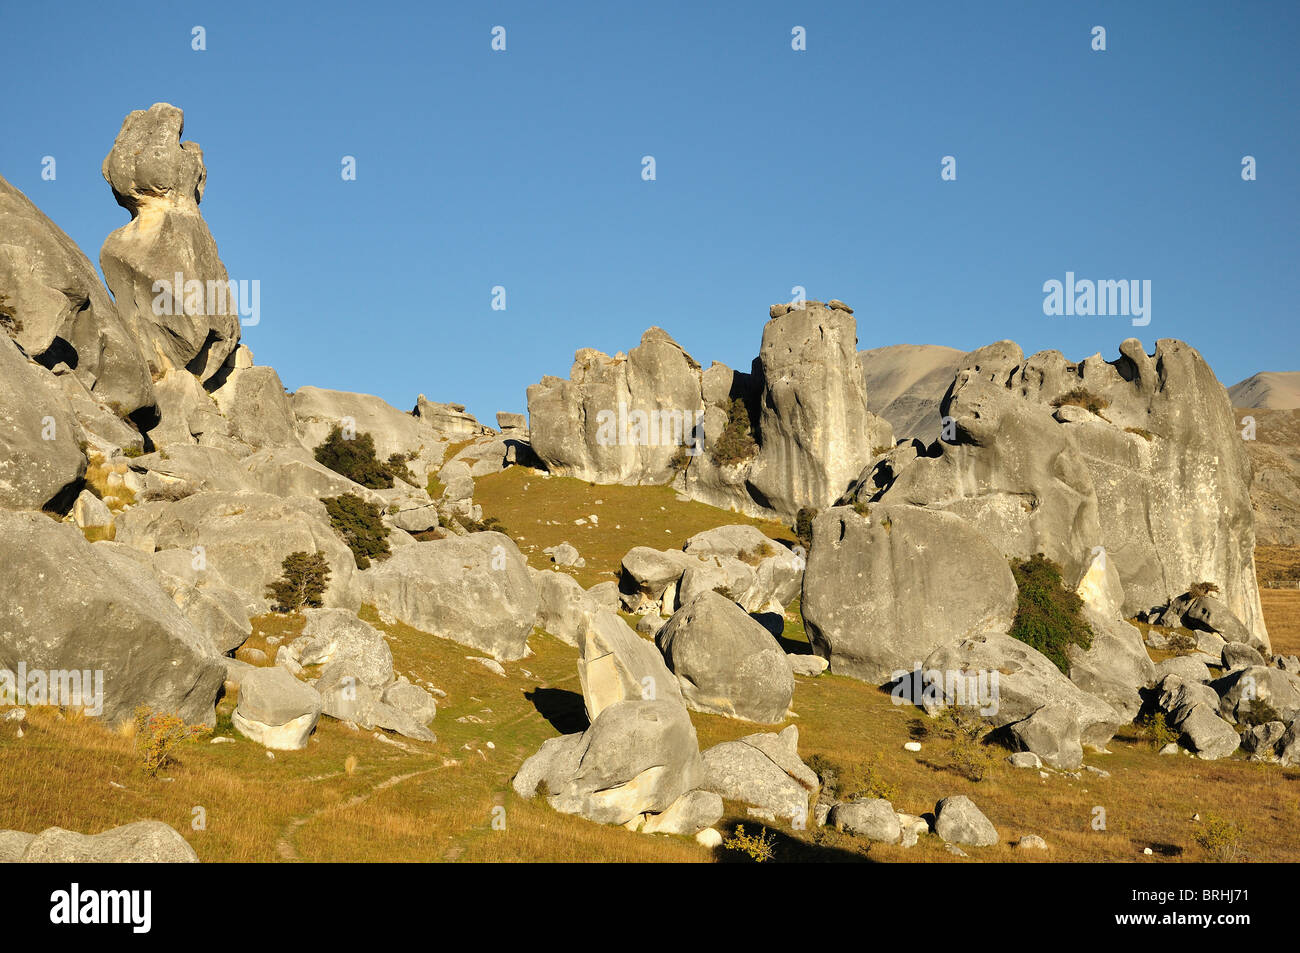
(69, 606)
(54, 305)
(39, 452)
(160, 181)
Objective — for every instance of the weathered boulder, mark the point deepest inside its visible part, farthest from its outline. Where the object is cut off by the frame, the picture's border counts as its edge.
(817, 433)
(691, 813)
(185, 469)
(275, 709)
(260, 415)
(1204, 732)
(212, 606)
(763, 770)
(1242, 689)
(637, 757)
(69, 606)
(346, 647)
(1052, 733)
(316, 411)
(39, 452)
(882, 591)
(471, 589)
(562, 605)
(872, 818)
(958, 821)
(142, 842)
(448, 419)
(725, 662)
(160, 181)
(1185, 667)
(1238, 655)
(293, 471)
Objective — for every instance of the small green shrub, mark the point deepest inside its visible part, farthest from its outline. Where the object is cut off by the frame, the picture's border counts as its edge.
(361, 525)
(355, 459)
(1155, 727)
(757, 847)
(1049, 617)
(303, 583)
(132, 452)
(968, 754)
(735, 444)
(1201, 589)
(397, 467)
(1146, 435)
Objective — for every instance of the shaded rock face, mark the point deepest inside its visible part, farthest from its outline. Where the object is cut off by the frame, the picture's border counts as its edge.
(54, 305)
(39, 452)
(69, 606)
(881, 592)
(1274, 455)
(1157, 477)
(160, 181)
(623, 419)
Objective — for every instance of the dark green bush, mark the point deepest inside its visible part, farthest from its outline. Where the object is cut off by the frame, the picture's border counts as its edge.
(1049, 616)
(735, 444)
(306, 576)
(355, 459)
(803, 521)
(361, 525)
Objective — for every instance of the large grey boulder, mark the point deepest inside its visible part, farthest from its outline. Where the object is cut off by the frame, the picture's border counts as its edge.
(54, 305)
(725, 662)
(881, 592)
(187, 413)
(275, 709)
(598, 425)
(245, 538)
(160, 181)
(1204, 732)
(1025, 682)
(345, 646)
(1052, 733)
(958, 821)
(69, 606)
(212, 606)
(142, 842)
(39, 452)
(293, 471)
(872, 818)
(471, 589)
(763, 770)
(317, 410)
(637, 757)
(184, 469)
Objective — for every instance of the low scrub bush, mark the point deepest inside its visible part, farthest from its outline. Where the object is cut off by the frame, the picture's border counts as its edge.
(759, 847)
(736, 443)
(1081, 397)
(158, 736)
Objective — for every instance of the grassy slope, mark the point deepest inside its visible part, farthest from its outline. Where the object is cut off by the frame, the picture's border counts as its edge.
(436, 801)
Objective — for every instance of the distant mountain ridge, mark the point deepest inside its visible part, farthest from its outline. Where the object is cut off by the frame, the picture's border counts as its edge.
(1268, 390)
(907, 382)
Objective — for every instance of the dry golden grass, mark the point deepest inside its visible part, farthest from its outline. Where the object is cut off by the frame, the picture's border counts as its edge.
(1282, 616)
(540, 512)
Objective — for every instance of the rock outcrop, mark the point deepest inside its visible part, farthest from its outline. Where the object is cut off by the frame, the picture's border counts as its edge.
(160, 181)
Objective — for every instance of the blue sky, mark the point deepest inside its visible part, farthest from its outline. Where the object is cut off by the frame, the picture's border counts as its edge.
(775, 168)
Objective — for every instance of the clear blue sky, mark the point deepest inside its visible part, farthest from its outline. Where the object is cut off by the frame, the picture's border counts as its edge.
(775, 168)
